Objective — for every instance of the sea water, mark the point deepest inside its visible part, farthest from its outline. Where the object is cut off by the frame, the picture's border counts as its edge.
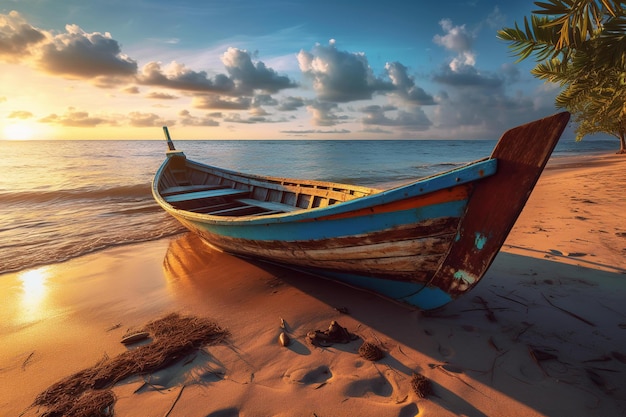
(62, 199)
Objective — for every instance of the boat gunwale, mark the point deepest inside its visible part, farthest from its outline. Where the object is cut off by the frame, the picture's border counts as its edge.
(477, 170)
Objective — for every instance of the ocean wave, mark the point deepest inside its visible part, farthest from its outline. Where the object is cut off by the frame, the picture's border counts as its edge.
(47, 250)
(84, 193)
(434, 167)
(152, 207)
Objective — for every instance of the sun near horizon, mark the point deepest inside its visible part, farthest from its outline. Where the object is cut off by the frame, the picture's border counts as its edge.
(27, 130)
(18, 131)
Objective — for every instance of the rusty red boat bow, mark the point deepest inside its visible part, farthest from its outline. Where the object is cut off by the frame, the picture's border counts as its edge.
(497, 201)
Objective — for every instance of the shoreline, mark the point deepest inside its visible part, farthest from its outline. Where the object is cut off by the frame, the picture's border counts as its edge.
(543, 335)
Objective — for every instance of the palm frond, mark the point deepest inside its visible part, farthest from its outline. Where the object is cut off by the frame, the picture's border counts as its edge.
(577, 20)
(613, 41)
(553, 71)
(536, 38)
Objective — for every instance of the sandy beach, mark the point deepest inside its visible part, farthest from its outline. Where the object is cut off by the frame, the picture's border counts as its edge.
(543, 334)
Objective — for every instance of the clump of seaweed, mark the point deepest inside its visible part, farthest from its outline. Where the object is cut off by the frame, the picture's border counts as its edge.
(421, 385)
(175, 337)
(89, 404)
(371, 352)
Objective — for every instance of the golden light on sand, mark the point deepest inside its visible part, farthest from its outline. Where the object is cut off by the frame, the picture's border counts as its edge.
(18, 131)
(34, 292)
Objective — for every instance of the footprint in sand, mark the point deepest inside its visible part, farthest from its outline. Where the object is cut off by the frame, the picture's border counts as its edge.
(226, 412)
(307, 376)
(445, 351)
(409, 410)
(363, 387)
(531, 373)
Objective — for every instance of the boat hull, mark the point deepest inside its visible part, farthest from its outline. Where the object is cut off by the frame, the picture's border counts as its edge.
(394, 253)
(422, 244)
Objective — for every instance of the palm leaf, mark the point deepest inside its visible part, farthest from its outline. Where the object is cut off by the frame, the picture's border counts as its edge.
(536, 38)
(613, 40)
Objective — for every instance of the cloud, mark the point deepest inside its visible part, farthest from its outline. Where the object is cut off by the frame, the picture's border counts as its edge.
(468, 77)
(457, 39)
(324, 113)
(237, 118)
(340, 76)
(249, 77)
(186, 119)
(415, 120)
(291, 103)
(161, 96)
(213, 101)
(405, 85)
(264, 100)
(243, 78)
(20, 114)
(139, 119)
(476, 103)
(258, 112)
(179, 77)
(98, 57)
(17, 37)
(479, 112)
(78, 54)
(133, 89)
(511, 72)
(73, 54)
(73, 118)
(495, 20)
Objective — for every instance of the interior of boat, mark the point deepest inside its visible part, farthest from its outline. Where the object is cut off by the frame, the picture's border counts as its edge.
(198, 188)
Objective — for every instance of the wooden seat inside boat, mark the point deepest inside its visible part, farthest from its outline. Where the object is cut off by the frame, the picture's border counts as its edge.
(219, 200)
(182, 189)
(245, 207)
(206, 194)
(269, 205)
(202, 198)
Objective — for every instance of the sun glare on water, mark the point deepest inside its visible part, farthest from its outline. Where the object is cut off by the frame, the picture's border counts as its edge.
(34, 292)
(18, 131)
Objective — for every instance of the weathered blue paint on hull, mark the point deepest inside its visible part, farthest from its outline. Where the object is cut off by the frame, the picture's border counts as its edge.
(329, 229)
(418, 295)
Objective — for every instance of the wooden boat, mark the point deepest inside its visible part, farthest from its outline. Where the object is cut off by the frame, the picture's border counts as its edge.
(422, 244)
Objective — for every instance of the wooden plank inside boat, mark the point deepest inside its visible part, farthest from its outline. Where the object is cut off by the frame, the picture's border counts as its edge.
(200, 195)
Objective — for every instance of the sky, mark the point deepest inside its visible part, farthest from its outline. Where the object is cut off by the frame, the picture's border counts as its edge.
(270, 69)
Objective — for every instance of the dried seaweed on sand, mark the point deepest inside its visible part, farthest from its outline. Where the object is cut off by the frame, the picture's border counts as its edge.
(90, 404)
(371, 352)
(175, 337)
(421, 385)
